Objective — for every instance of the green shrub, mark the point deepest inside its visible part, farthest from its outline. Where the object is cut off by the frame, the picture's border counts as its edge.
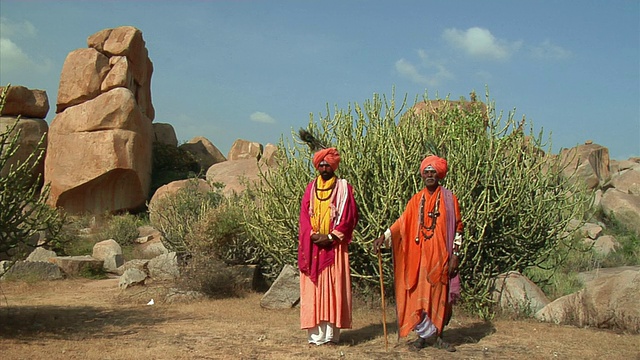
(95, 273)
(175, 215)
(558, 276)
(210, 276)
(628, 251)
(121, 228)
(220, 233)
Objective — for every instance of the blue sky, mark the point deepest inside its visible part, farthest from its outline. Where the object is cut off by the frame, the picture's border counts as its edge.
(255, 70)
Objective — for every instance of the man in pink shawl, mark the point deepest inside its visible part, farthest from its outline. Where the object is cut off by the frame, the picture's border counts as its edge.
(328, 215)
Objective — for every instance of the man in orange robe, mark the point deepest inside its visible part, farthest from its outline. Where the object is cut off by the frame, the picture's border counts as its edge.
(328, 215)
(425, 242)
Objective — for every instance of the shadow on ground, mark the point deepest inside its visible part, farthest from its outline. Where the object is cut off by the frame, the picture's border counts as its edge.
(73, 323)
(470, 334)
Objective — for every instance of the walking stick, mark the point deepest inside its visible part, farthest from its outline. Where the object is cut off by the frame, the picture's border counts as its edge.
(384, 310)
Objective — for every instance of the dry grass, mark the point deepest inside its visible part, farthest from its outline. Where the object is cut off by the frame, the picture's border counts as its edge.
(93, 319)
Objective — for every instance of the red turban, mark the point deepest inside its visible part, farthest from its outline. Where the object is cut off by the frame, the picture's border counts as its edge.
(330, 155)
(438, 163)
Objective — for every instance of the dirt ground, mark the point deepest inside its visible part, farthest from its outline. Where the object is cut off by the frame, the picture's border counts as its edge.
(94, 319)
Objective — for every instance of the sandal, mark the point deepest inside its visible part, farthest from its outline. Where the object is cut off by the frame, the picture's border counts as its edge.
(441, 344)
(418, 344)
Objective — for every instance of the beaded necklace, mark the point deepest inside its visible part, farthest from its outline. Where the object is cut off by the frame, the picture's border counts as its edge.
(318, 190)
(427, 232)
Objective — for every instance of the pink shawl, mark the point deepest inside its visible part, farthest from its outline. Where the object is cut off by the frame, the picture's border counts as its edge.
(312, 259)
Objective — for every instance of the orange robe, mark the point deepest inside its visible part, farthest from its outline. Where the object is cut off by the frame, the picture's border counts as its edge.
(421, 269)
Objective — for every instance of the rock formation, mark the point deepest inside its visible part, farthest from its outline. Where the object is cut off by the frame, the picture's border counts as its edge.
(99, 156)
(31, 107)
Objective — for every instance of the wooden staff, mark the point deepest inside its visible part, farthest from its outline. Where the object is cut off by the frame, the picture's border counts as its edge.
(384, 310)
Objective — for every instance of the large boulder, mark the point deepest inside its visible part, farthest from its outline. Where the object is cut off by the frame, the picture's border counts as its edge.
(173, 187)
(235, 174)
(588, 163)
(515, 293)
(99, 156)
(623, 206)
(164, 267)
(244, 149)
(164, 134)
(609, 302)
(205, 153)
(270, 155)
(41, 254)
(110, 252)
(25, 102)
(100, 162)
(627, 181)
(31, 132)
(436, 107)
(135, 71)
(32, 270)
(78, 265)
(81, 78)
(285, 291)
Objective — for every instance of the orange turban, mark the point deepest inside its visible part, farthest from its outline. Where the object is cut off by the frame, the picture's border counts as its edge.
(330, 155)
(438, 163)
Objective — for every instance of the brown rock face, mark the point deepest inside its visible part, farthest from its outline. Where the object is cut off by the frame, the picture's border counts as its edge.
(590, 162)
(205, 153)
(82, 75)
(100, 162)
(165, 134)
(244, 149)
(25, 102)
(31, 131)
(127, 42)
(99, 156)
(24, 111)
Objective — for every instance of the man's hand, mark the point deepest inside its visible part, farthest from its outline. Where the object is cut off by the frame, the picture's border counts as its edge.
(454, 263)
(377, 244)
(321, 239)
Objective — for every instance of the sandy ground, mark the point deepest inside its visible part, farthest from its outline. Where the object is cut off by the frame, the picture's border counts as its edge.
(94, 319)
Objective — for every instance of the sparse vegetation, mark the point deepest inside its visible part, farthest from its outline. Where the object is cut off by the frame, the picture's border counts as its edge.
(628, 253)
(176, 215)
(206, 230)
(24, 213)
(121, 228)
(559, 278)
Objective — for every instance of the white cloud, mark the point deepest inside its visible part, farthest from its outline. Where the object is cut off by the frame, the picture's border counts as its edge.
(427, 72)
(480, 43)
(12, 55)
(262, 117)
(11, 29)
(409, 71)
(548, 50)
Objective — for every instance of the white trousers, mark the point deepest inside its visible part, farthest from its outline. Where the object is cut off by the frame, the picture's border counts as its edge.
(323, 333)
(425, 328)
